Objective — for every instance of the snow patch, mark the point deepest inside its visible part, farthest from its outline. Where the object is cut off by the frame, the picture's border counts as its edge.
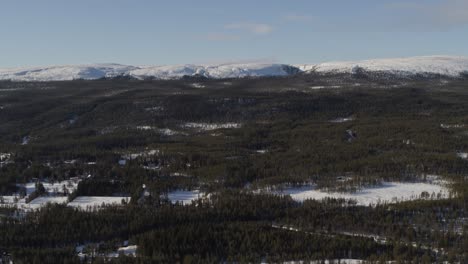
(211, 126)
(388, 192)
(91, 202)
(342, 120)
(448, 126)
(184, 197)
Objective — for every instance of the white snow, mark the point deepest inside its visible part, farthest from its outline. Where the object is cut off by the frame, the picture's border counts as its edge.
(334, 261)
(52, 188)
(25, 140)
(85, 202)
(54, 192)
(128, 250)
(448, 126)
(144, 128)
(184, 197)
(211, 71)
(319, 87)
(9, 201)
(82, 202)
(211, 126)
(64, 72)
(198, 85)
(342, 120)
(163, 131)
(169, 132)
(133, 156)
(42, 201)
(4, 156)
(445, 65)
(388, 192)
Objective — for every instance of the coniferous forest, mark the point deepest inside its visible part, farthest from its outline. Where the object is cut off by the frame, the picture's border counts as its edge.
(212, 171)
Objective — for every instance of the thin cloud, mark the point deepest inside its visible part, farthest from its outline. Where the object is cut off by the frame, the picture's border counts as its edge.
(297, 18)
(253, 28)
(439, 16)
(220, 37)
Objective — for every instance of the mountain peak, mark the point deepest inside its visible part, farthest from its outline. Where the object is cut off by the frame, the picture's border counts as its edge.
(444, 65)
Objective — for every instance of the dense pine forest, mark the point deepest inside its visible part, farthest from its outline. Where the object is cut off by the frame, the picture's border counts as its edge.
(237, 144)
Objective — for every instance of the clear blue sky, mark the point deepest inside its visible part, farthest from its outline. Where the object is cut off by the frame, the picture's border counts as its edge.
(44, 32)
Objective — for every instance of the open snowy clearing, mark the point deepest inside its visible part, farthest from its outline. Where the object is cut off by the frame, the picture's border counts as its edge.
(81, 202)
(20, 203)
(388, 192)
(42, 201)
(52, 188)
(129, 251)
(184, 197)
(87, 202)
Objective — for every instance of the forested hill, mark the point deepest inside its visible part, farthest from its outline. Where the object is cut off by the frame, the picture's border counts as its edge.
(309, 167)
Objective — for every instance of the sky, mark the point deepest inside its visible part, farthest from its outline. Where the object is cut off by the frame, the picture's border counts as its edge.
(156, 32)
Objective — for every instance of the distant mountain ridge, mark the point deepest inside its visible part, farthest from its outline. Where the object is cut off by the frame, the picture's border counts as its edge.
(451, 66)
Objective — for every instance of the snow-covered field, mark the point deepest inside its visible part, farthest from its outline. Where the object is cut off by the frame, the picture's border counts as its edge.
(42, 201)
(91, 202)
(12, 201)
(81, 202)
(184, 197)
(388, 192)
(52, 188)
(55, 194)
(20, 203)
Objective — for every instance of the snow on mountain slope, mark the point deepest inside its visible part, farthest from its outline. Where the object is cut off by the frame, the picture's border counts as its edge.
(96, 71)
(65, 72)
(167, 72)
(245, 70)
(444, 65)
(211, 71)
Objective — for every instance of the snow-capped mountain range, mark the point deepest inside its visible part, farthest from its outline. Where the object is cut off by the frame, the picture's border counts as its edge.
(444, 65)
